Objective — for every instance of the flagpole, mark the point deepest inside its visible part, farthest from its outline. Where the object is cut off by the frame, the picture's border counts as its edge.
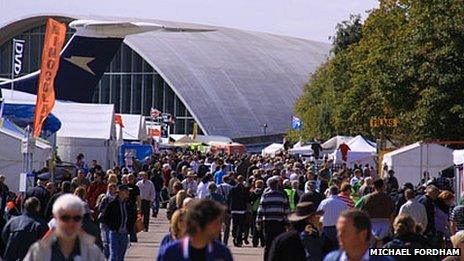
(2, 102)
(12, 67)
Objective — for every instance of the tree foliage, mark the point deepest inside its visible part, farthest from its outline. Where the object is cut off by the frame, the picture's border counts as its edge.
(348, 32)
(406, 62)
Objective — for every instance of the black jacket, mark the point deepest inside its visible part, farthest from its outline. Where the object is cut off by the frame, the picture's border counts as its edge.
(157, 181)
(48, 214)
(202, 170)
(287, 245)
(42, 195)
(312, 196)
(410, 241)
(112, 215)
(429, 204)
(20, 233)
(238, 198)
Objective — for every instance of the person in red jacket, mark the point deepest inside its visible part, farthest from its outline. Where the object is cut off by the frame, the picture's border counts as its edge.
(97, 187)
(344, 150)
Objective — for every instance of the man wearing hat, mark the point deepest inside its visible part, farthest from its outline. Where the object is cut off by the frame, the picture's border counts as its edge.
(120, 217)
(303, 241)
(190, 183)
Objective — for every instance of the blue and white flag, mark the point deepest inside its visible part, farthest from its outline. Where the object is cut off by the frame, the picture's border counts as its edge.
(296, 123)
(18, 50)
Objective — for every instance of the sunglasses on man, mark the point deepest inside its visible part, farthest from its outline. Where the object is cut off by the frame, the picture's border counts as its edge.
(67, 218)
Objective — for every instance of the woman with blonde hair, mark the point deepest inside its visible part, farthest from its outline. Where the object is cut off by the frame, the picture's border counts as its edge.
(406, 236)
(458, 242)
(113, 178)
(177, 228)
(81, 193)
(180, 197)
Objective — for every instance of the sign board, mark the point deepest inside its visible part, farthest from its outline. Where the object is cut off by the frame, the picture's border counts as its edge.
(155, 132)
(26, 181)
(18, 50)
(387, 122)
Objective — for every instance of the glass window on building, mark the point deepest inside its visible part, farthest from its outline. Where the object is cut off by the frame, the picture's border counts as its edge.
(130, 83)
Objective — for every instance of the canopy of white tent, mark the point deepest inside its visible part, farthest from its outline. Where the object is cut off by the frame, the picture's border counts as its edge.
(303, 150)
(272, 149)
(134, 128)
(362, 151)
(88, 129)
(85, 128)
(411, 161)
(334, 142)
(11, 156)
(458, 157)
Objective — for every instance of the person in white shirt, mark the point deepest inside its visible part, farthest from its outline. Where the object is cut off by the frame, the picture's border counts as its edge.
(195, 164)
(202, 190)
(147, 196)
(332, 206)
(357, 177)
(413, 208)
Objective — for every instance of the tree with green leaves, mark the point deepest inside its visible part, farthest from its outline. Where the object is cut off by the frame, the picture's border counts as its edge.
(406, 61)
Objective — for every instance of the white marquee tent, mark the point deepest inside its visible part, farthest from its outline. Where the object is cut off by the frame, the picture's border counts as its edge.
(412, 160)
(11, 156)
(134, 128)
(303, 150)
(458, 157)
(272, 149)
(88, 129)
(85, 128)
(333, 143)
(362, 151)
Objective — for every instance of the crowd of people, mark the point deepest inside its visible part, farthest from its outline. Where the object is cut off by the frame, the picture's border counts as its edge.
(291, 206)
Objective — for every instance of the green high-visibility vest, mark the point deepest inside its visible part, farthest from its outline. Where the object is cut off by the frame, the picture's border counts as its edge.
(291, 198)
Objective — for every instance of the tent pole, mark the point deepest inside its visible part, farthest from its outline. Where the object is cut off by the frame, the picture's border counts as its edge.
(420, 174)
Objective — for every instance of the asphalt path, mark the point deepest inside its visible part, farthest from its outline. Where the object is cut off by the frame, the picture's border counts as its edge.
(148, 243)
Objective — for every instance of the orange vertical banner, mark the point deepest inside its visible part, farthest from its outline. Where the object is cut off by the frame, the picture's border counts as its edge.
(53, 43)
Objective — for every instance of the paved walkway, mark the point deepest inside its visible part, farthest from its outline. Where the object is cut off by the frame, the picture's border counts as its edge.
(148, 245)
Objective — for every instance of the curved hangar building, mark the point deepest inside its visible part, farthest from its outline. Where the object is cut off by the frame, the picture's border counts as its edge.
(231, 82)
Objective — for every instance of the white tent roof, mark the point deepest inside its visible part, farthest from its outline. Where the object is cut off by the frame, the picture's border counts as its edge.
(272, 149)
(334, 142)
(134, 127)
(78, 120)
(408, 162)
(11, 156)
(458, 157)
(303, 150)
(84, 120)
(361, 144)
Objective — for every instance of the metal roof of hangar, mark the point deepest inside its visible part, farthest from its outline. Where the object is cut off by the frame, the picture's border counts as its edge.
(233, 81)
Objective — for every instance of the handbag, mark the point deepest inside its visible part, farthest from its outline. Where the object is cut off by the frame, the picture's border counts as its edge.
(139, 226)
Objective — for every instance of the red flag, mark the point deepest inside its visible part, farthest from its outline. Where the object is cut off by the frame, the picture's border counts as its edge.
(53, 43)
(118, 120)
